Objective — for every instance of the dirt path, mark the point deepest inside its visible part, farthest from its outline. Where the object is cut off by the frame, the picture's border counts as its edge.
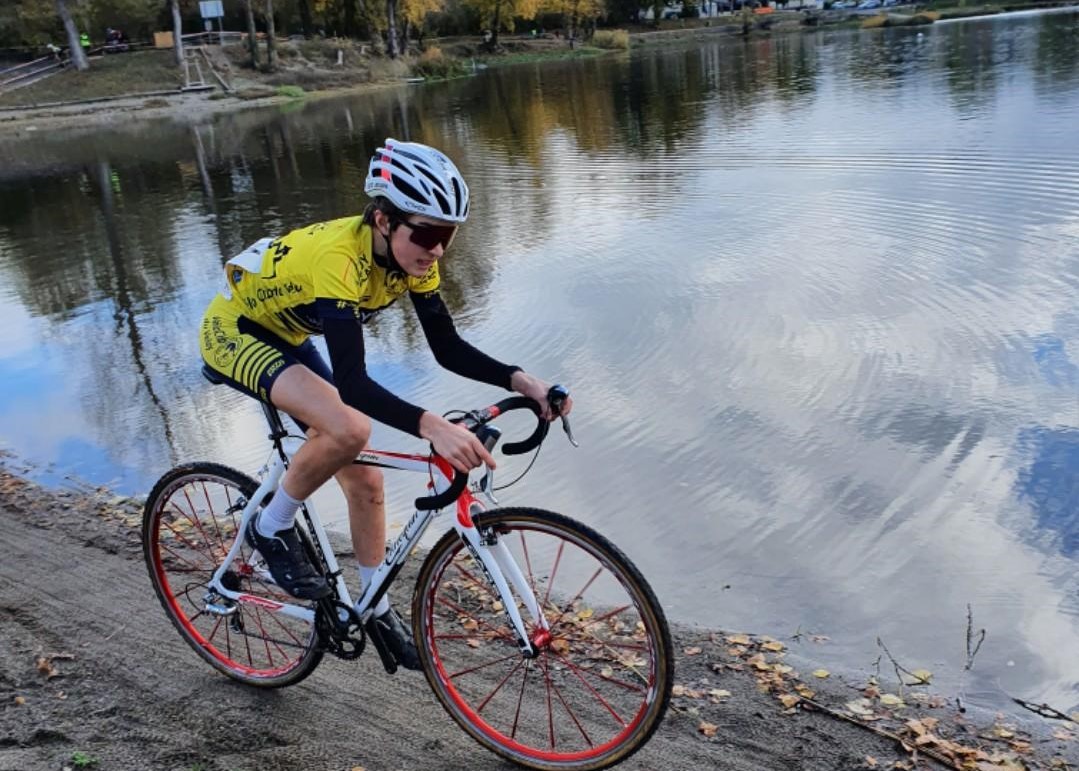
(126, 692)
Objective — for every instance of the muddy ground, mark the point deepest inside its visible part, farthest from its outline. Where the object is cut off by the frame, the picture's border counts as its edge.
(93, 675)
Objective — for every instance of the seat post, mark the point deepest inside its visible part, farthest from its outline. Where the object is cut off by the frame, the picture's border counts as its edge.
(273, 417)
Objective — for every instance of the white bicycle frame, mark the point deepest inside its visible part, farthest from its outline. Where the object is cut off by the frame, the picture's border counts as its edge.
(495, 561)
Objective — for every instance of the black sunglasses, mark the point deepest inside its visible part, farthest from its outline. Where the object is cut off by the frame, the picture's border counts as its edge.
(429, 236)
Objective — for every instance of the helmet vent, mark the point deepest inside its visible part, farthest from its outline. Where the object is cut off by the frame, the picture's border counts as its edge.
(407, 189)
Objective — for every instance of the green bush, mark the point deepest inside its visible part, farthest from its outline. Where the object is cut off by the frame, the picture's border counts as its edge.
(611, 38)
(292, 92)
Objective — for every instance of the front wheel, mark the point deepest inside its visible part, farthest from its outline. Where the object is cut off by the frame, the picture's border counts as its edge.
(191, 519)
(600, 682)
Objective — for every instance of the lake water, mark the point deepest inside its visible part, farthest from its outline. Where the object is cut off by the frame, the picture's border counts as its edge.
(815, 296)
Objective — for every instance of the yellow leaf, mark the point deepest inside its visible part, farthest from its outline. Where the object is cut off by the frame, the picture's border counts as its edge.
(788, 700)
(692, 651)
(471, 624)
(738, 639)
(772, 645)
(20, 700)
(581, 614)
(1003, 733)
(782, 669)
(821, 673)
(891, 700)
(923, 676)
(870, 761)
(473, 642)
(718, 693)
(708, 729)
(606, 672)
(678, 690)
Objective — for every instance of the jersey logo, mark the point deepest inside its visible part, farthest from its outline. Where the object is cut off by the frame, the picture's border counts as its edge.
(279, 251)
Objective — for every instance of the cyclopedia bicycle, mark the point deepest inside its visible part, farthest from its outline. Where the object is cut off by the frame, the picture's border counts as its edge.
(536, 634)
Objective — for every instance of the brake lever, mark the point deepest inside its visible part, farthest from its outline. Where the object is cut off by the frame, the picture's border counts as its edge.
(568, 430)
(555, 398)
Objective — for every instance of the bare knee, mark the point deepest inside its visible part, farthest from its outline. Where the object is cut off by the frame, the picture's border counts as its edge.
(351, 433)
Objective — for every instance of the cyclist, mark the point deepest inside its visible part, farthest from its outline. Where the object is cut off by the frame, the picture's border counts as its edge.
(329, 278)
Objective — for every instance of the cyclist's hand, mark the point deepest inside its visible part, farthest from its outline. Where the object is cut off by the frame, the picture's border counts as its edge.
(534, 388)
(455, 443)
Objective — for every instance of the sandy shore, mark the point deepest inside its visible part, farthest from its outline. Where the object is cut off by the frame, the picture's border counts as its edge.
(120, 688)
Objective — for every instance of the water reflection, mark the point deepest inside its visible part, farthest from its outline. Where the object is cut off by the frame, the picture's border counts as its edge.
(815, 295)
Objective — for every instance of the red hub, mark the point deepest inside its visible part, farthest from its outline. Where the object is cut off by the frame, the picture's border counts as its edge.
(541, 639)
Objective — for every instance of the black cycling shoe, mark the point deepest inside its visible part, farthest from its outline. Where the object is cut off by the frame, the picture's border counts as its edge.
(288, 564)
(398, 639)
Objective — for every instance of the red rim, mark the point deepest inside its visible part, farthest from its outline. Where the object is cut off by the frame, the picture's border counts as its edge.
(593, 689)
(208, 515)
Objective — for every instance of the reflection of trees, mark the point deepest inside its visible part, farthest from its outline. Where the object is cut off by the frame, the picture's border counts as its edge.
(970, 65)
(1057, 53)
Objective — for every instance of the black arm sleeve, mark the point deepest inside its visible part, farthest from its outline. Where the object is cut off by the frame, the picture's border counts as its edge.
(344, 339)
(450, 350)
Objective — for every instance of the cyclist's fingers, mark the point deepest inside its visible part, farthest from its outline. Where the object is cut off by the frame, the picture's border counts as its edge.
(485, 456)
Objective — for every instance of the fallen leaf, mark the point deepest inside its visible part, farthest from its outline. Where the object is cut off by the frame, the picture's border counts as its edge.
(788, 700)
(891, 700)
(692, 651)
(870, 761)
(738, 639)
(1002, 733)
(922, 676)
(20, 700)
(473, 642)
(678, 690)
(708, 729)
(1062, 735)
(718, 693)
(860, 707)
(773, 645)
(821, 673)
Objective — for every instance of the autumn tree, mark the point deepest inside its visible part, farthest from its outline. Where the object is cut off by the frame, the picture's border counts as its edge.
(413, 14)
(502, 12)
(252, 36)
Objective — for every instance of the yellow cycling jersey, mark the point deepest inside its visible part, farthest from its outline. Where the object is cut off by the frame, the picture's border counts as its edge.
(326, 270)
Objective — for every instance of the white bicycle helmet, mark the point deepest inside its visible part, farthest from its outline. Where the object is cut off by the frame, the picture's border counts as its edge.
(419, 179)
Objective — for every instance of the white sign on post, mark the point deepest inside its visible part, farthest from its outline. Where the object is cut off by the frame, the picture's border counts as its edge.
(211, 9)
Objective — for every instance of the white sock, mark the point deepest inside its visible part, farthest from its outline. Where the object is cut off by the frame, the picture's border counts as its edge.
(279, 515)
(365, 579)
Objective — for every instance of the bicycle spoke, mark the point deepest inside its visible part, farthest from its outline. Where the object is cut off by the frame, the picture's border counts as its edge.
(554, 570)
(576, 670)
(484, 666)
(573, 717)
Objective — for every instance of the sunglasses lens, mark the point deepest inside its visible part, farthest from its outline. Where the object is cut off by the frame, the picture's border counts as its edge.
(430, 236)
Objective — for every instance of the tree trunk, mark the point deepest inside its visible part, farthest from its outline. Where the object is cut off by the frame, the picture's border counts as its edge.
(497, 22)
(252, 39)
(177, 32)
(350, 18)
(78, 56)
(391, 32)
(406, 31)
(271, 48)
(305, 18)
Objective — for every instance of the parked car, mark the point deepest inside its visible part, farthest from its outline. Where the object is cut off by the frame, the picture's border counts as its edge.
(868, 5)
(841, 4)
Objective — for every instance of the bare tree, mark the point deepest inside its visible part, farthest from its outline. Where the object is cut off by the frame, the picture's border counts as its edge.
(271, 49)
(78, 56)
(252, 39)
(177, 33)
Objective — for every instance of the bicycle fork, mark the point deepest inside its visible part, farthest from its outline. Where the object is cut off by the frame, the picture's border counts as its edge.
(502, 571)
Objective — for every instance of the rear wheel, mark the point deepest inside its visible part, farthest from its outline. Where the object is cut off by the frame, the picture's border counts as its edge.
(600, 682)
(190, 521)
